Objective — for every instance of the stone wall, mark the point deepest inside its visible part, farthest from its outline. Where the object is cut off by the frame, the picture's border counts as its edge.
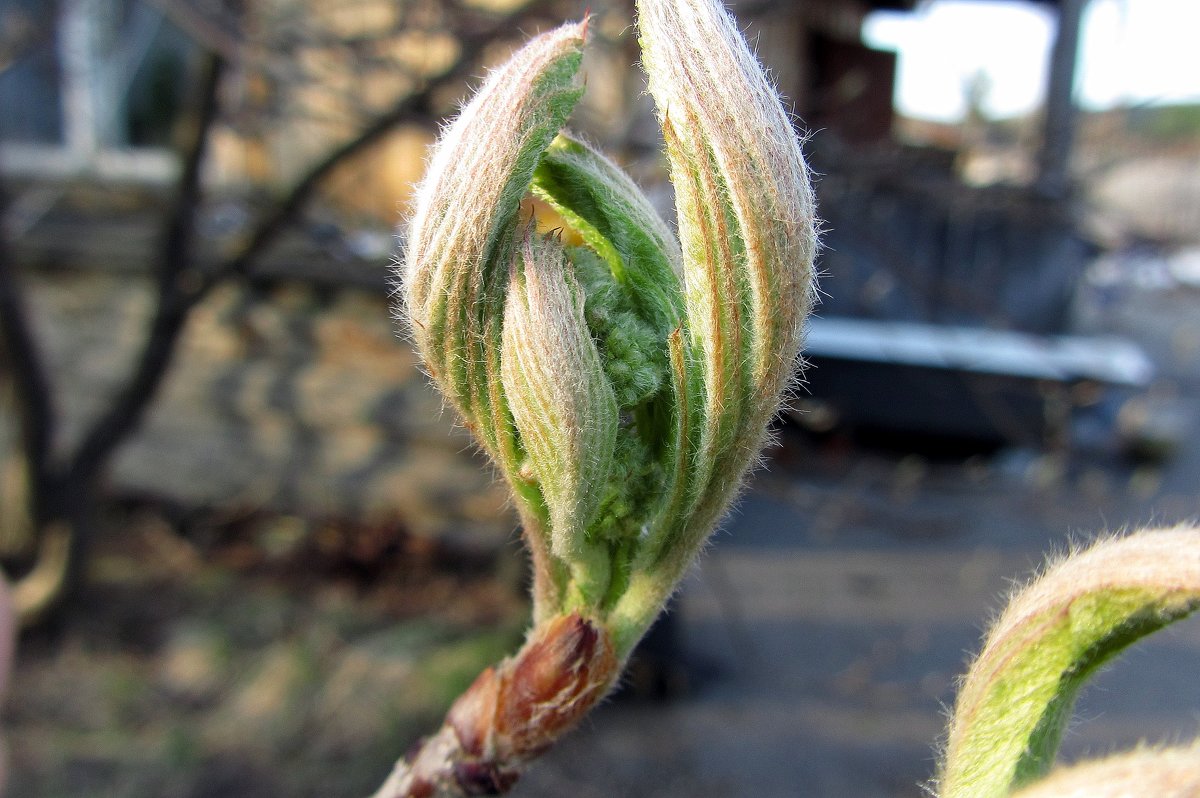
(284, 396)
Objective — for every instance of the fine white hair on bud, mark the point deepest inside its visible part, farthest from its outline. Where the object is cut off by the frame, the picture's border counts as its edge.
(748, 231)
(561, 402)
(745, 204)
(623, 381)
(1016, 698)
(1161, 773)
(462, 229)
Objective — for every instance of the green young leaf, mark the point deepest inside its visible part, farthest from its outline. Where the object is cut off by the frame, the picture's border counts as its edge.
(1163, 773)
(1018, 694)
(626, 425)
(747, 225)
(623, 386)
(631, 271)
(748, 232)
(462, 234)
(612, 215)
(562, 403)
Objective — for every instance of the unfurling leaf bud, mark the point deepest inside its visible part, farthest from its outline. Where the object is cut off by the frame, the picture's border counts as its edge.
(748, 231)
(562, 404)
(462, 232)
(622, 383)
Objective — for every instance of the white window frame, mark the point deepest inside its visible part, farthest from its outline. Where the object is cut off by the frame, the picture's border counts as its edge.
(84, 153)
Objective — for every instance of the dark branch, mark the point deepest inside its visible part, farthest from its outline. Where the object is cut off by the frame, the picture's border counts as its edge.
(178, 280)
(415, 107)
(182, 285)
(209, 31)
(31, 385)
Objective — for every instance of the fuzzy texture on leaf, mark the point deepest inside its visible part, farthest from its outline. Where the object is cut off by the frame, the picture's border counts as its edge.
(1017, 696)
(1164, 773)
(748, 232)
(622, 383)
(561, 402)
(612, 215)
(625, 422)
(462, 233)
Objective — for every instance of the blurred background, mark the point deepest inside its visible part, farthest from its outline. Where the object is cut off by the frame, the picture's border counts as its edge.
(252, 555)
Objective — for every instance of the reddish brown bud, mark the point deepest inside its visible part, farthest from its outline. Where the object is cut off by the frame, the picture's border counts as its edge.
(560, 674)
(515, 711)
(473, 714)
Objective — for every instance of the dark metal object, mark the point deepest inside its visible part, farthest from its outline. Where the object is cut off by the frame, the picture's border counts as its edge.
(1059, 131)
(959, 382)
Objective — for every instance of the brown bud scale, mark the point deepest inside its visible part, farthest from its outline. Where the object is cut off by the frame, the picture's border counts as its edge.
(512, 712)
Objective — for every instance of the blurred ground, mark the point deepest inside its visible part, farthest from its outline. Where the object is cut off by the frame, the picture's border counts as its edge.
(823, 632)
(239, 662)
(815, 646)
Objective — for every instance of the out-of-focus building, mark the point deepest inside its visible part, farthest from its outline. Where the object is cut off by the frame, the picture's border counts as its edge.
(103, 87)
(282, 394)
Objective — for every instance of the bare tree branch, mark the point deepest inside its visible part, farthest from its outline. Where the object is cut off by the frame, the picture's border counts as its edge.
(31, 384)
(416, 107)
(63, 487)
(206, 31)
(178, 282)
(182, 285)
